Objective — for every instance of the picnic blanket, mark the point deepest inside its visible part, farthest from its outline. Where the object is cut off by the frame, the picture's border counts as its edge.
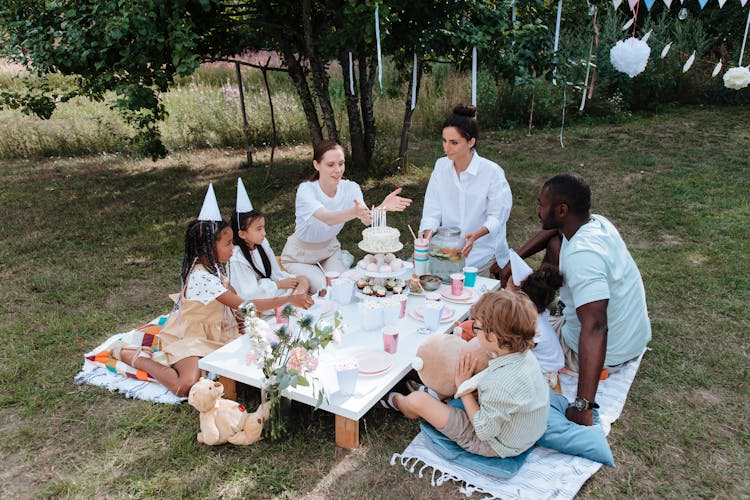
(545, 473)
(102, 370)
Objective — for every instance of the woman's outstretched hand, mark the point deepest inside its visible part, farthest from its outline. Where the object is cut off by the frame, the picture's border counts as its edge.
(362, 213)
(395, 203)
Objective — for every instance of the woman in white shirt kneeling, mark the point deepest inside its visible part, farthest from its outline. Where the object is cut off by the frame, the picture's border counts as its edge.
(323, 205)
(468, 192)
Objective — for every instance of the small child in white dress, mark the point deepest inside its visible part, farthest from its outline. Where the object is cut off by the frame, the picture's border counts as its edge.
(254, 272)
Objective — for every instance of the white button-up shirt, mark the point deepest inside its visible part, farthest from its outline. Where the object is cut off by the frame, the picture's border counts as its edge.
(479, 196)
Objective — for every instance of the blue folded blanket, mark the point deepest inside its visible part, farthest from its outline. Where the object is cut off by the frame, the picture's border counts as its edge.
(561, 435)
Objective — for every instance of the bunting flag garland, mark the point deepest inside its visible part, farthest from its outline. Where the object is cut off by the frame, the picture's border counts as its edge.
(721, 3)
(668, 3)
(414, 83)
(377, 41)
(649, 4)
(351, 75)
(647, 36)
(717, 69)
(689, 62)
(743, 2)
(665, 50)
(474, 76)
(702, 3)
(632, 4)
(617, 3)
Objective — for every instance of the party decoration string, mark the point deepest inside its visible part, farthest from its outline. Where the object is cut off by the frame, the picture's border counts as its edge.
(474, 76)
(414, 83)
(380, 56)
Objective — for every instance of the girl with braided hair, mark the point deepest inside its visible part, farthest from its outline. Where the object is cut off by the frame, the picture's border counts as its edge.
(204, 316)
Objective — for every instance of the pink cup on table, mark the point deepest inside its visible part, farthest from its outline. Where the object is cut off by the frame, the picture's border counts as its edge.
(402, 299)
(280, 320)
(330, 276)
(390, 339)
(457, 284)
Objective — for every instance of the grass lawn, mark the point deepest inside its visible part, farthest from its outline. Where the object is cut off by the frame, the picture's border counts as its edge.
(92, 246)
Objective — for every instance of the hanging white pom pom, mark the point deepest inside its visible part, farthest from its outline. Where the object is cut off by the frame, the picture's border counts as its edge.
(737, 78)
(630, 56)
(647, 36)
(665, 50)
(716, 70)
(689, 62)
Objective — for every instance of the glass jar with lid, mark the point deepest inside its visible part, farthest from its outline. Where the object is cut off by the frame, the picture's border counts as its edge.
(445, 252)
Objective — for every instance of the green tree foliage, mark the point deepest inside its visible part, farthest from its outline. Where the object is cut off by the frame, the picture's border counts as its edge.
(134, 48)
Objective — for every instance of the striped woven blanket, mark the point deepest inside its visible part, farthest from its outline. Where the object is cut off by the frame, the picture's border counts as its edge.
(102, 370)
(545, 473)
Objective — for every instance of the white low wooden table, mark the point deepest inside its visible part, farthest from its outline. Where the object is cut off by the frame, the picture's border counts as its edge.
(229, 363)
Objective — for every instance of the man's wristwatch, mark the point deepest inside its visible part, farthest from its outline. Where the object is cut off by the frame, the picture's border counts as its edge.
(581, 404)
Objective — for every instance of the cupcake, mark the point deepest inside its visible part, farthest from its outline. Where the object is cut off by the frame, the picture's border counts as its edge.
(367, 290)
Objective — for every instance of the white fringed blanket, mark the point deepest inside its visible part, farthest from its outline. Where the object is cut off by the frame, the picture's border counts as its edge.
(546, 473)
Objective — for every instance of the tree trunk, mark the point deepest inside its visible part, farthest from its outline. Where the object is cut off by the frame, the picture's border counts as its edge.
(367, 70)
(356, 135)
(245, 128)
(297, 73)
(273, 117)
(403, 150)
(319, 73)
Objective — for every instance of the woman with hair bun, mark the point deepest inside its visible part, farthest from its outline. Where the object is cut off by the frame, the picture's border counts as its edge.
(468, 192)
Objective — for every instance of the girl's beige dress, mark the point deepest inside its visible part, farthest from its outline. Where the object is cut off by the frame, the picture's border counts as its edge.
(196, 328)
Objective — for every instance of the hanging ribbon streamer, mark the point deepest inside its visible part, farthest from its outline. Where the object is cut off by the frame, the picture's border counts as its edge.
(351, 75)
(380, 56)
(589, 64)
(557, 38)
(744, 40)
(562, 124)
(414, 83)
(474, 76)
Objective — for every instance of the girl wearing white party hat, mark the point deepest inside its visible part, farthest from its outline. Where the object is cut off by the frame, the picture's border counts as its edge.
(204, 316)
(253, 269)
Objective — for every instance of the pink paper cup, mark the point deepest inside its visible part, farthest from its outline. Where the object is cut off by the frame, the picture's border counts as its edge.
(330, 276)
(390, 339)
(457, 284)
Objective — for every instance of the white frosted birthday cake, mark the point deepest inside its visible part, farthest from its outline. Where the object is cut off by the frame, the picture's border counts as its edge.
(379, 238)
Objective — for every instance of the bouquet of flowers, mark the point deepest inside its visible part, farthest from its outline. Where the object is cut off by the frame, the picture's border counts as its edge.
(289, 356)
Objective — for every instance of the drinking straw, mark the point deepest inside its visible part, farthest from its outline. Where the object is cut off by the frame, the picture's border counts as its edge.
(321, 267)
(412, 232)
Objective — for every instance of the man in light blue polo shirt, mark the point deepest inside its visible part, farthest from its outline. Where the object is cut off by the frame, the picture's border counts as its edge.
(606, 320)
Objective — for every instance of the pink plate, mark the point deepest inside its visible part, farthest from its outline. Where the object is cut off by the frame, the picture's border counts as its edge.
(467, 297)
(446, 315)
(372, 361)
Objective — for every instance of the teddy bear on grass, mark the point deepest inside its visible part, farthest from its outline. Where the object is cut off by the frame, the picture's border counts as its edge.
(223, 420)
